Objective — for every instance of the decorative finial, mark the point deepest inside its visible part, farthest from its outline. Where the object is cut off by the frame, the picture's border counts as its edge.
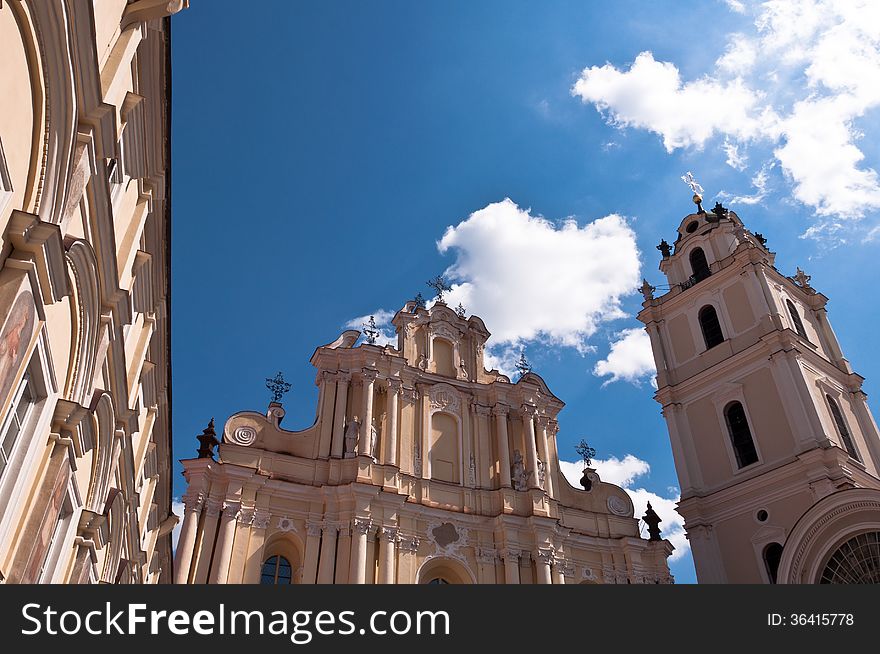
(277, 387)
(664, 248)
(718, 213)
(688, 178)
(647, 290)
(460, 310)
(802, 279)
(760, 238)
(522, 364)
(370, 331)
(207, 441)
(419, 302)
(653, 521)
(440, 286)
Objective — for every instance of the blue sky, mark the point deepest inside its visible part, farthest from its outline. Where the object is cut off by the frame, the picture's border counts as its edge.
(322, 151)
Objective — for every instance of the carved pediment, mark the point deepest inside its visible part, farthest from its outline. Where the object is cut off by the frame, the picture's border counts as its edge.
(444, 397)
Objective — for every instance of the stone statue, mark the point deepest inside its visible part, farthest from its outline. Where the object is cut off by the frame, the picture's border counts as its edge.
(352, 432)
(647, 290)
(664, 248)
(374, 439)
(542, 468)
(520, 476)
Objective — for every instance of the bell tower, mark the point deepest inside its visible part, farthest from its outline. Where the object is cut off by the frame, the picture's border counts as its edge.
(765, 415)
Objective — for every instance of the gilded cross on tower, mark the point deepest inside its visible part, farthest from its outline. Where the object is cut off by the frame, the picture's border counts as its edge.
(689, 179)
(277, 387)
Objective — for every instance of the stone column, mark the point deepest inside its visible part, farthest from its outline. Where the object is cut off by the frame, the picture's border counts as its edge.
(223, 550)
(366, 433)
(394, 386)
(328, 392)
(546, 456)
(209, 531)
(310, 561)
(327, 565)
(483, 442)
(500, 413)
(387, 554)
(511, 566)
(184, 555)
(336, 449)
(558, 576)
(360, 527)
(543, 561)
(531, 449)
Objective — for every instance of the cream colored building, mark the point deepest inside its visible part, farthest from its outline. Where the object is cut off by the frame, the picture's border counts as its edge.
(85, 485)
(777, 453)
(420, 467)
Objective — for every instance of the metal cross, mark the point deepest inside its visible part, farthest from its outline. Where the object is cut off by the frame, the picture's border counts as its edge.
(460, 310)
(523, 365)
(277, 387)
(440, 286)
(689, 179)
(370, 331)
(586, 452)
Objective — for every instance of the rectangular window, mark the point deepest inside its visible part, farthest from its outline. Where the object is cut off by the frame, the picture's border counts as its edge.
(22, 406)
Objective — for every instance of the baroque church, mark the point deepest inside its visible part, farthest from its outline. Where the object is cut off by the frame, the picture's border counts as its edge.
(776, 450)
(421, 467)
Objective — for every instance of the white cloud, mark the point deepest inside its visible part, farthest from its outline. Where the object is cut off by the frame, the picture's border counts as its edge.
(623, 473)
(630, 358)
(759, 183)
(802, 80)
(177, 508)
(387, 334)
(735, 158)
(651, 95)
(531, 279)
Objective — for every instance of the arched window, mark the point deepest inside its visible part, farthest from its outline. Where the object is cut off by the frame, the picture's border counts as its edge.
(740, 435)
(699, 265)
(772, 556)
(712, 333)
(276, 570)
(841, 427)
(857, 561)
(796, 319)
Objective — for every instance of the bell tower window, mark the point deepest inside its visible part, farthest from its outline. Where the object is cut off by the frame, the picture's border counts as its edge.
(710, 326)
(845, 436)
(796, 319)
(740, 435)
(699, 265)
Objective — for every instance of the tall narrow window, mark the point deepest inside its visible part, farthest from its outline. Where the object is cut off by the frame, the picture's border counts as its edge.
(699, 265)
(740, 435)
(796, 319)
(772, 556)
(18, 415)
(712, 333)
(841, 427)
(276, 571)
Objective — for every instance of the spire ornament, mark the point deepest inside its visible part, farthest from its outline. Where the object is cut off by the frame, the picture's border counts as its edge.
(207, 441)
(460, 310)
(522, 365)
(802, 279)
(277, 387)
(587, 453)
(440, 286)
(371, 332)
(419, 301)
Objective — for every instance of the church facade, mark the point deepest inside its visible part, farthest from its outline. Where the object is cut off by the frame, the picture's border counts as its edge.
(421, 467)
(85, 445)
(776, 450)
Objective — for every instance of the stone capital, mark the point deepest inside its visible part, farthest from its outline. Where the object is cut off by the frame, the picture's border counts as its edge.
(511, 554)
(193, 501)
(246, 516)
(545, 555)
(486, 555)
(328, 376)
(213, 507)
(482, 410)
(543, 421)
(389, 534)
(261, 518)
(409, 544)
(394, 386)
(314, 529)
(361, 525)
(500, 410)
(231, 510)
(409, 394)
(369, 375)
(343, 377)
(529, 410)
